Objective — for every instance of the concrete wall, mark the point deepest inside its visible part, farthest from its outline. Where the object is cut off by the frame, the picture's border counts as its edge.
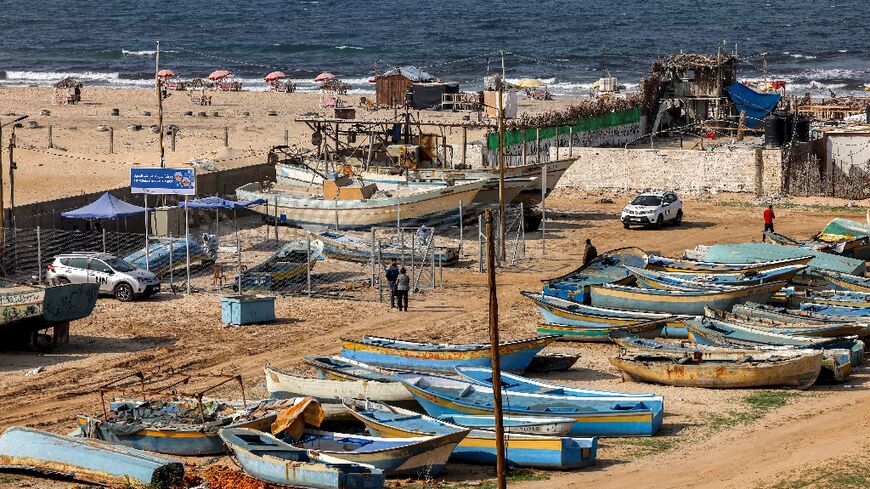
(723, 170)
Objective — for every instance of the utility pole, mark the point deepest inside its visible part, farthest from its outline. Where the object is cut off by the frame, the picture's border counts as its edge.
(12, 167)
(501, 219)
(496, 359)
(159, 103)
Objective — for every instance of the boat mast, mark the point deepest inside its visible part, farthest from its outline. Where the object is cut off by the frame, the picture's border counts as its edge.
(496, 360)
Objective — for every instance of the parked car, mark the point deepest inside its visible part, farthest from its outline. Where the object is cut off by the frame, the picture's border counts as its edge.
(653, 208)
(115, 276)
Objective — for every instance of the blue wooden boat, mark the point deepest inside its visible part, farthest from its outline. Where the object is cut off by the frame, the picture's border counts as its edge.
(823, 330)
(175, 427)
(90, 461)
(846, 281)
(339, 368)
(691, 365)
(517, 383)
(788, 315)
(285, 385)
(846, 237)
(579, 322)
(664, 264)
(835, 311)
(479, 446)
(290, 263)
(593, 415)
(833, 298)
(682, 281)
(605, 269)
(420, 457)
(679, 301)
(748, 254)
(267, 458)
(529, 425)
(343, 246)
(853, 247)
(400, 354)
(165, 254)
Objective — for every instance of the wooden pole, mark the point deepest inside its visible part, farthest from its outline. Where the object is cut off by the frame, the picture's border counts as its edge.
(524, 145)
(286, 137)
(226, 136)
(538, 145)
(464, 145)
(159, 105)
(501, 219)
(496, 360)
(111, 140)
(12, 178)
(50, 138)
(172, 141)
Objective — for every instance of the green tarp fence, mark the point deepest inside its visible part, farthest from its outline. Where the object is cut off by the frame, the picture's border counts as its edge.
(594, 123)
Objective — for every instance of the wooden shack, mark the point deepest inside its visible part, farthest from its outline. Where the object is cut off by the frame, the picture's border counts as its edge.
(391, 87)
(67, 91)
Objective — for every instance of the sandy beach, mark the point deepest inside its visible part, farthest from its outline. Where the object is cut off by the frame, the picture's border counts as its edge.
(710, 438)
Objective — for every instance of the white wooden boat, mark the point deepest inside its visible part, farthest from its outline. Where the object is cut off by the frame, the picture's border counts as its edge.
(283, 385)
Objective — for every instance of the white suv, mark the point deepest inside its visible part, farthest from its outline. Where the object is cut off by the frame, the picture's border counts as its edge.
(656, 208)
(115, 276)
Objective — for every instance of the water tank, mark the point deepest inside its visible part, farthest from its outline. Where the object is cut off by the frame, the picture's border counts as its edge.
(801, 129)
(774, 131)
(788, 126)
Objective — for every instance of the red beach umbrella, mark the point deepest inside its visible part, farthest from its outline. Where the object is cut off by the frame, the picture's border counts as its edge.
(325, 76)
(275, 75)
(373, 79)
(165, 74)
(218, 74)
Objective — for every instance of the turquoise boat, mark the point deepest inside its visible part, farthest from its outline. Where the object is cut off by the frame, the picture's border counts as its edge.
(823, 330)
(528, 425)
(846, 237)
(421, 457)
(833, 298)
(165, 254)
(685, 302)
(593, 415)
(517, 383)
(579, 322)
(291, 263)
(652, 279)
(845, 281)
(267, 458)
(664, 264)
(837, 311)
(607, 268)
(751, 253)
(90, 461)
(417, 356)
(787, 315)
(343, 246)
(479, 446)
(853, 247)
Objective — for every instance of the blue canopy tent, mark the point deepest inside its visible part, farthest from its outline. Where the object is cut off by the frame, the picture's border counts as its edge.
(217, 204)
(756, 105)
(106, 207)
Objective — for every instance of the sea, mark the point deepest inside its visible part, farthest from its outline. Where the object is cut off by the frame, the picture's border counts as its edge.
(820, 47)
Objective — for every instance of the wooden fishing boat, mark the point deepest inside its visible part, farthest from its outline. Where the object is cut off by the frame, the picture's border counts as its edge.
(25, 310)
(837, 312)
(682, 281)
(579, 322)
(663, 264)
(750, 254)
(824, 330)
(845, 281)
(853, 247)
(593, 415)
(290, 263)
(343, 246)
(346, 206)
(788, 315)
(479, 446)
(420, 457)
(284, 385)
(679, 301)
(845, 237)
(723, 370)
(165, 254)
(832, 298)
(175, 427)
(608, 268)
(529, 425)
(90, 461)
(552, 362)
(517, 383)
(339, 368)
(400, 354)
(267, 458)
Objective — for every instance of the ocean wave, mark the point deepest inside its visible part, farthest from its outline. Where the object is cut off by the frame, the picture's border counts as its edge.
(359, 48)
(144, 52)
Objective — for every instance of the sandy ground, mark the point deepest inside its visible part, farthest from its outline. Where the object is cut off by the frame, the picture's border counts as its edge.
(709, 439)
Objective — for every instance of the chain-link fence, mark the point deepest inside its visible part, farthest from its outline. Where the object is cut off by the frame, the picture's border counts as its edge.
(513, 250)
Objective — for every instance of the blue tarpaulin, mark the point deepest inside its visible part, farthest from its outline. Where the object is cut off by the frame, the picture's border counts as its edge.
(106, 207)
(219, 203)
(756, 105)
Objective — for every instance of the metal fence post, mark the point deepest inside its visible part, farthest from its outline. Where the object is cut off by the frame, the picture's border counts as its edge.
(461, 224)
(171, 267)
(372, 251)
(479, 243)
(308, 265)
(414, 285)
(523, 227)
(441, 270)
(39, 254)
(432, 257)
(104, 240)
(380, 264)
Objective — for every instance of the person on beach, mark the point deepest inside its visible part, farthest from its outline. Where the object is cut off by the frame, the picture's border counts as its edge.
(589, 253)
(392, 274)
(768, 222)
(403, 284)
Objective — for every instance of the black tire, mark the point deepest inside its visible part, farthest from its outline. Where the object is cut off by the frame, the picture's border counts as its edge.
(660, 222)
(124, 292)
(62, 280)
(679, 219)
(626, 226)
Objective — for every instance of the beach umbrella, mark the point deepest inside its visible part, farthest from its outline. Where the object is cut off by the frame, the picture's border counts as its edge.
(325, 76)
(218, 74)
(275, 75)
(165, 74)
(373, 79)
(529, 83)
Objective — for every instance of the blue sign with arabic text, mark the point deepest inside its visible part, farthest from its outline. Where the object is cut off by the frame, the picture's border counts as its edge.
(163, 181)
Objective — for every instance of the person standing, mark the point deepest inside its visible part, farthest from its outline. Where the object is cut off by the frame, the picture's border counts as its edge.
(392, 274)
(403, 285)
(768, 222)
(589, 253)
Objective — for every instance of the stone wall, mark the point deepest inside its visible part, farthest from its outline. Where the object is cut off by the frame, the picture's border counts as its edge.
(750, 170)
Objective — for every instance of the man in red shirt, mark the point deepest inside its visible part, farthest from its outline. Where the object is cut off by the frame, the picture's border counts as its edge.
(768, 222)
